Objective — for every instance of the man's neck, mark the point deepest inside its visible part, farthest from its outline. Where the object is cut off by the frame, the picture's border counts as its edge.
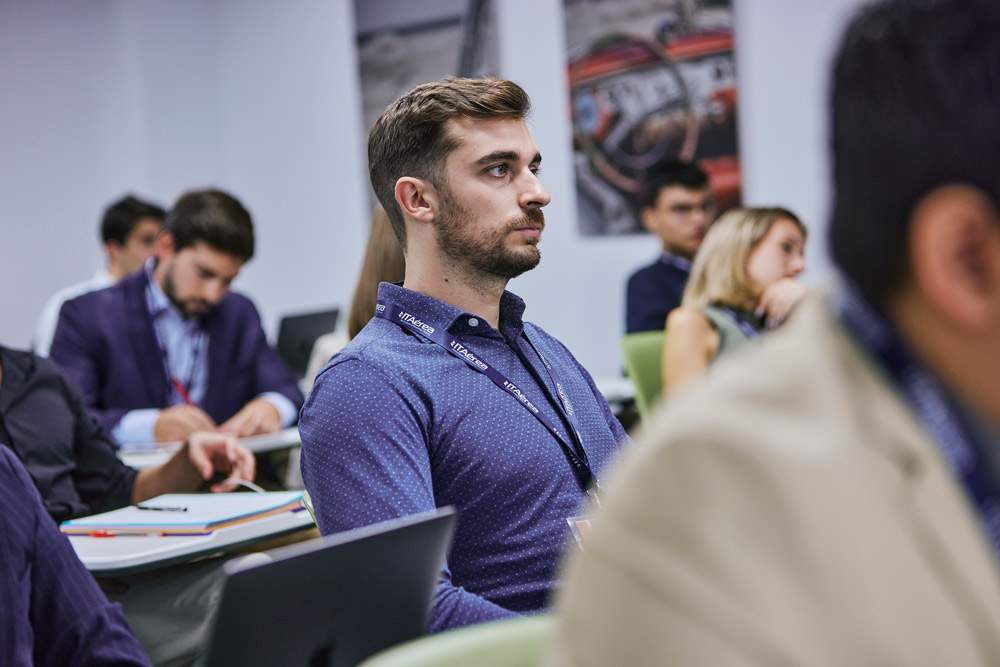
(473, 293)
(114, 271)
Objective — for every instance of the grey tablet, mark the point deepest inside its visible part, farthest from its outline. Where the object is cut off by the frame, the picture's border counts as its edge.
(334, 601)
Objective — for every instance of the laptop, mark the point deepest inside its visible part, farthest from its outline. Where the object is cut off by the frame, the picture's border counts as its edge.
(298, 333)
(334, 601)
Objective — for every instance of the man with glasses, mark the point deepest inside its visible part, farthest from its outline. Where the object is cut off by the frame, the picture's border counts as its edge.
(678, 207)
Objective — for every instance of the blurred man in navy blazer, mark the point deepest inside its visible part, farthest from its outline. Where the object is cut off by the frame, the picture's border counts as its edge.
(170, 350)
(53, 613)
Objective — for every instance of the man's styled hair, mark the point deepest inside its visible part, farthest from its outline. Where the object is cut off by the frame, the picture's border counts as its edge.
(410, 137)
(916, 105)
(673, 172)
(121, 217)
(215, 218)
(719, 273)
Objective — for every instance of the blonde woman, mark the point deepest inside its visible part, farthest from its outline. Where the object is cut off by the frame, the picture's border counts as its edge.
(742, 282)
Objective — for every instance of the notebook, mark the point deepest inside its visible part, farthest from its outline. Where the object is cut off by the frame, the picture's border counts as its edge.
(186, 514)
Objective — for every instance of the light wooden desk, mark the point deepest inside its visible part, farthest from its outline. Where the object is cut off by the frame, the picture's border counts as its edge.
(131, 554)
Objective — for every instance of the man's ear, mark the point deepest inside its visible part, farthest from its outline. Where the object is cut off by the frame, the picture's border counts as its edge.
(954, 245)
(113, 249)
(164, 245)
(647, 215)
(416, 198)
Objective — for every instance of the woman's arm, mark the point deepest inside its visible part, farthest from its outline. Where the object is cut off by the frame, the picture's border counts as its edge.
(689, 345)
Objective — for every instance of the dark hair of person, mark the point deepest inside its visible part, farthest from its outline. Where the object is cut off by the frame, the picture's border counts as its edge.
(383, 262)
(915, 99)
(673, 172)
(121, 217)
(215, 218)
(410, 138)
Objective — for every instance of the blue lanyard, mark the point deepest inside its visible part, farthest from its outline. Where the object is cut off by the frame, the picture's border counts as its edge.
(931, 403)
(748, 329)
(574, 451)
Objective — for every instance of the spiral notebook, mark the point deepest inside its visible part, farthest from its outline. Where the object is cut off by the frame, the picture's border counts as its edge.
(185, 514)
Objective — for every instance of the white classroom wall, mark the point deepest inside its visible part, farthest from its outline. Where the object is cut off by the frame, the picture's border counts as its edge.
(261, 98)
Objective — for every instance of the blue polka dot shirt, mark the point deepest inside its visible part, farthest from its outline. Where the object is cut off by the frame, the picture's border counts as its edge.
(395, 425)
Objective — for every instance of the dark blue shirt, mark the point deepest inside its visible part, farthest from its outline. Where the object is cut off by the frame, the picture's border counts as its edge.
(51, 610)
(653, 291)
(395, 425)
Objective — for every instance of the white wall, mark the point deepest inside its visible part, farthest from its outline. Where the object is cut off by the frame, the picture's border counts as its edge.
(261, 98)
(249, 95)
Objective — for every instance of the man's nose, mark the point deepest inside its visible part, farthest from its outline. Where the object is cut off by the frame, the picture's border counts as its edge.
(534, 195)
(214, 291)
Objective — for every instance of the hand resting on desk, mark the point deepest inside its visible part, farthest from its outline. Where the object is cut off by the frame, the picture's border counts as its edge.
(178, 422)
(202, 455)
(258, 416)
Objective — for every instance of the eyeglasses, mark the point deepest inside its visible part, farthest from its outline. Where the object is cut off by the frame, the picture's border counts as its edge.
(707, 207)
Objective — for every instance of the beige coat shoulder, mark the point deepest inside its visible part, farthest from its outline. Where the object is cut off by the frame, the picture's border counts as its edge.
(784, 510)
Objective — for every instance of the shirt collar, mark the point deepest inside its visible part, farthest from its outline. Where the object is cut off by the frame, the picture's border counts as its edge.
(876, 334)
(450, 318)
(676, 261)
(156, 300)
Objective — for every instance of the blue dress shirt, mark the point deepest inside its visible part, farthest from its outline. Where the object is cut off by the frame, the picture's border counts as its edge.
(395, 425)
(185, 349)
(51, 610)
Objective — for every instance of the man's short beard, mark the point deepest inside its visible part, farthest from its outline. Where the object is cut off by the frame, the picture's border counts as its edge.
(459, 240)
(170, 289)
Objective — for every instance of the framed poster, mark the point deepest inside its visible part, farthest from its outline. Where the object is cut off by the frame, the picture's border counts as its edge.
(650, 81)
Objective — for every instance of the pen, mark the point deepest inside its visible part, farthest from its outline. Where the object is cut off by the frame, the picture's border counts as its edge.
(154, 508)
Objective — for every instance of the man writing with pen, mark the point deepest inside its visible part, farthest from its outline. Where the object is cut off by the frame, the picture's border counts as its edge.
(170, 350)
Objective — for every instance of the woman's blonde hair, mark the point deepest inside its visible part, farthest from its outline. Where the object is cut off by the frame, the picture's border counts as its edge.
(383, 262)
(719, 274)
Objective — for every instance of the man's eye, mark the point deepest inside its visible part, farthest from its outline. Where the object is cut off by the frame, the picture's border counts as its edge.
(498, 170)
(536, 169)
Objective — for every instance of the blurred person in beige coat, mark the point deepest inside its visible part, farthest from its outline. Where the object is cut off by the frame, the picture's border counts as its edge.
(832, 495)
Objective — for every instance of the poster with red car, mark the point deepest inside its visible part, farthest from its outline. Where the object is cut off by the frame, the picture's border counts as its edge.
(650, 81)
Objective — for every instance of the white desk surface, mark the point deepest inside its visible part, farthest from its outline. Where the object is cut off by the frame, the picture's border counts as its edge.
(129, 554)
(616, 389)
(286, 439)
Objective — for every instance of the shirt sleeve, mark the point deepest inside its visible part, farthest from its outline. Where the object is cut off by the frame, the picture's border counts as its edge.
(71, 622)
(100, 477)
(136, 429)
(365, 459)
(287, 412)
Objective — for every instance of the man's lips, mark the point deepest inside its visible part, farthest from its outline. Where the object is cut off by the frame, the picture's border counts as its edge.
(532, 232)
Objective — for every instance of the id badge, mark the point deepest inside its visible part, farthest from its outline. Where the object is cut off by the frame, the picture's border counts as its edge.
(580, 527)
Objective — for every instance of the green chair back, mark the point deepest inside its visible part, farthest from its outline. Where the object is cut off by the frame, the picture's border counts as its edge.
(515, 643)
(643, 354)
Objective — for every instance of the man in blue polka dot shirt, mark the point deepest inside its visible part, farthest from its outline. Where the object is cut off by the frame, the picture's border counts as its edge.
(447, 396)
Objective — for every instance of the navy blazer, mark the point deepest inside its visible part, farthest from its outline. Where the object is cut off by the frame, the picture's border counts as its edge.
(106, 346)
(652, 292)
(51, 610)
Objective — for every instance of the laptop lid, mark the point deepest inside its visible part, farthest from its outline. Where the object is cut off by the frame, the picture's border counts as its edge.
(298, 333)
(332, 602)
